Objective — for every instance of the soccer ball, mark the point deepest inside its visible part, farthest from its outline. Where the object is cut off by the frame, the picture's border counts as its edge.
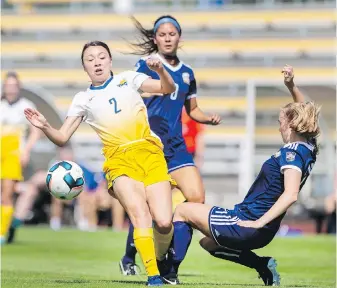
(65, 180)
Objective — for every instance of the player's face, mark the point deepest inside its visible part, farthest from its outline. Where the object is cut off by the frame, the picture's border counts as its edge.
(284, 129)
(167, 39)
(11, 89)
(97, 64)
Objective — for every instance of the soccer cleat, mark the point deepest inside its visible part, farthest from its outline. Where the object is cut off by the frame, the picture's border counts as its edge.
(268, 274)
(154, 281)
(171, 279)
(129, 268)
(11, 235)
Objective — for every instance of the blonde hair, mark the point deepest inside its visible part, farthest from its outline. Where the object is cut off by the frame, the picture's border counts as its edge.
(303, 119)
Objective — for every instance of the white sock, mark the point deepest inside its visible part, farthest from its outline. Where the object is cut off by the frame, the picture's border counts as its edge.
(55, 223)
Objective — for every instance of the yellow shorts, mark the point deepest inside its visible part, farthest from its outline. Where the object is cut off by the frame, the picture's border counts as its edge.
(10, 158)
(142, 161)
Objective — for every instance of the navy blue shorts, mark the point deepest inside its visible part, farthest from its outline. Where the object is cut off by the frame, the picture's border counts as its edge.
(225, 231)
(179, 159)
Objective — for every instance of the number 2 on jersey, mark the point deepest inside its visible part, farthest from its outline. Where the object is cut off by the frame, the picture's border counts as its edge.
(113, 102)
(174, 95)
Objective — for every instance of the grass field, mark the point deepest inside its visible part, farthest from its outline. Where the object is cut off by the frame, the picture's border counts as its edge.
(70, 258)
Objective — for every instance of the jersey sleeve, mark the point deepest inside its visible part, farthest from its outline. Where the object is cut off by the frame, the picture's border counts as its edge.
(192, 92)
(141, 67)
(77, 107)
(290, 159)
(137, 79)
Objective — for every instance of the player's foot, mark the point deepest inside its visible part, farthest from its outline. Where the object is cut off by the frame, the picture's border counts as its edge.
(268, 273)
(154, 281)
(128, 268)
(11, 235)
(171, 279)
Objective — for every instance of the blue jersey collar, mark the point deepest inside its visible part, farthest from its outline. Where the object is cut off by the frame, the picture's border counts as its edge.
(103, 86)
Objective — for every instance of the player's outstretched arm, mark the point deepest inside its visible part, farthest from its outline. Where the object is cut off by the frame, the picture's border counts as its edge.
(198, 115)
(292, 180)
(163, 86)
(59, 137)
(288, 73)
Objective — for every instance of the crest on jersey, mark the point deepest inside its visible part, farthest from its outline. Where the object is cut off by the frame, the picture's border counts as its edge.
(290, 156)
(186, 78)
(122, 83)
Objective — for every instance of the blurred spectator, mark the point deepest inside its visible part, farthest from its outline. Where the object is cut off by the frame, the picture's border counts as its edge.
(193, 135)
(94, 198)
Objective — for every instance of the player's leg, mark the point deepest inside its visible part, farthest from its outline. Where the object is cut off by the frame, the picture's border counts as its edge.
(7, 190)
(56, 209)
(10, 174)
(186, 216)
(131, 195)
(232, 242)
(118, 215)
(28, 191)
(159, 198)
(182, 169)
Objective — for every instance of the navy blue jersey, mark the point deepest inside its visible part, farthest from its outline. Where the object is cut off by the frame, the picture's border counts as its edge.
(165, 111)
(269, 184)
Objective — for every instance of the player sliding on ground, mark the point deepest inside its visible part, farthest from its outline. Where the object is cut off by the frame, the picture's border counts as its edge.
(232, 234)
(135, 166)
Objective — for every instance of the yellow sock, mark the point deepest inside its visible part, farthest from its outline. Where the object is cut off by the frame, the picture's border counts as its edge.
(6, 218)
(162, 243)
(143, 238)
(177, 198)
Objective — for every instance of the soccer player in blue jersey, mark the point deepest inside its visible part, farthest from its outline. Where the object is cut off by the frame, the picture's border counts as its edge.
(253, 223)
(165, 120)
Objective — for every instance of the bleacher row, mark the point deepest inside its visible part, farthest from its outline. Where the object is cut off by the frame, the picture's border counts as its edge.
(45, 50)
(291, 20)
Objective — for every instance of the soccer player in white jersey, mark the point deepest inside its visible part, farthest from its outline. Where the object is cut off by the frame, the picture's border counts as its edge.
(135, 166)
(15, 151)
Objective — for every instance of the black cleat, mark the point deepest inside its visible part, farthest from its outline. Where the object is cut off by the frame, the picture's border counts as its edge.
(129, 269)
(268, 273)
(11, 235)
(170, 279)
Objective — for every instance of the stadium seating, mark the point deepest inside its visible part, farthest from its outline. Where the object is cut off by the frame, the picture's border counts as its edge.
(205, 76)
(188, 20)
(209, 47)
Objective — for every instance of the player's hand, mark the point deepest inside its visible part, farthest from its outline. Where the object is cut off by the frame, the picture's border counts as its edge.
(250, 224)
(288, 73)
(35, 118)
(214, 120)
(24, 158)
(155, 64)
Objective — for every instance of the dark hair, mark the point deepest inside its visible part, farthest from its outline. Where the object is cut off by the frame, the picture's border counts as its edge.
(146, 45)
(11, 74)
(96, 43)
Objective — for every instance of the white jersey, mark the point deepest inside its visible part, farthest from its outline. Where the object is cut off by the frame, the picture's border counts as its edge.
(12, 118)
(115, 110)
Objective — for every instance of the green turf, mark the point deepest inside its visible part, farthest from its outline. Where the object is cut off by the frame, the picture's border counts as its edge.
(70, 258)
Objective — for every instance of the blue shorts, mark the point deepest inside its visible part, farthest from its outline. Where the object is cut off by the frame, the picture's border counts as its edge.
(225, 231)
(179, 159)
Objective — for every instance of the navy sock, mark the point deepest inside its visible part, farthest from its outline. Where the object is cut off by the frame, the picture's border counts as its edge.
(16, 223)
(130, 251)
(244, 257)
(181, 241)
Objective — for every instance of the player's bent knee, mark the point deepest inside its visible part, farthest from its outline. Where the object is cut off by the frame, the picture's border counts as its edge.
(140, 217)
(163, 226)
(195, 196)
